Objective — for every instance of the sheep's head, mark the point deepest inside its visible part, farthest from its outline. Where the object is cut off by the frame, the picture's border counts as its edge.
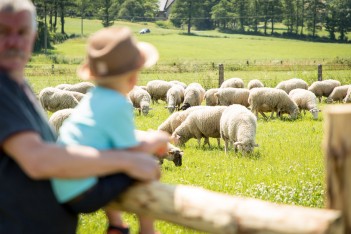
(315, 112)
(145, 108)
(175, 155)
(245, 147)
(185, 106)
(329, 100)
(171, 109)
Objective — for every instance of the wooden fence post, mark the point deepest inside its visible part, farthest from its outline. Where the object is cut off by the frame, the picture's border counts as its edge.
(220, 74)
(337, 148)
(320, 72)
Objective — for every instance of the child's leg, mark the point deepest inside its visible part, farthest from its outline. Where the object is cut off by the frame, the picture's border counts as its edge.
(146, 225)
(116, 224)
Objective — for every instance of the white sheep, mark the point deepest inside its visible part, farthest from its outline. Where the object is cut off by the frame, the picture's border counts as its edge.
(175, 97)
(193, 95)
(255, 84)
(323, 88)
(305, 100)
(210, 98)
(202, 123)
(140, 99)
(82, 87)
(294, 83)
(58, 117)
(347, 98)
(272, 100)
(338, 94)
(173, 154)
(178, 83)
(238, 126)
(233, 83)
(229, 96)
(53, 99)
(158, 89)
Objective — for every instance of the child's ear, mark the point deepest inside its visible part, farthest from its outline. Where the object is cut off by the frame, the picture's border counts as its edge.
(133, 79)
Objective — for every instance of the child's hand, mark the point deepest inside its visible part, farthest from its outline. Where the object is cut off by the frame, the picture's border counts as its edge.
(156, 142)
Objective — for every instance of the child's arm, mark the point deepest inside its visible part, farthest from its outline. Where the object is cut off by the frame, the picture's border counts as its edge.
(153, 142)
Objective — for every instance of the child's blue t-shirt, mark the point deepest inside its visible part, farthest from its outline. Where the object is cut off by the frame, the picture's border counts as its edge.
(104, 120)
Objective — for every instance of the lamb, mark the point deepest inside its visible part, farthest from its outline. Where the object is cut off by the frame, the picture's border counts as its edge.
(294, 83)
(233, 83)
(81, 87)
(57, 118)
(200, 123)
(140, 99)
(53, 99)
(338, 94)
(238, 126)
(158, 89)
(323, 88)
(254, 84)
(193, 95)
(229, 96)
(305, 100)
(175, 97)
(272, 99)
(347, 98)
(210, 98)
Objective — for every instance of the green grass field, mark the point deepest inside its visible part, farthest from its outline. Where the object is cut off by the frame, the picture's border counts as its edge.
(288, 165)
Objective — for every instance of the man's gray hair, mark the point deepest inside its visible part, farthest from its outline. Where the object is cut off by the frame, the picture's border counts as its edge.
(20, 5)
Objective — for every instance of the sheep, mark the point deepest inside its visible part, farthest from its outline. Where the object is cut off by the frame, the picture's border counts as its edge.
(233, 83)
(229, 96)
(178, 83)
(173, 154)
(347, 98)
(140, 99)
(238, 126)
(158, 89)
(305, 100)
(53, 99)
(193, 95)
(82, 87)
(200, 123)
(58, 117)
(323, 88)
(272, 99)
(175, 97)
(210, 99)
(294, 83)
(254, 84)
(338, 94)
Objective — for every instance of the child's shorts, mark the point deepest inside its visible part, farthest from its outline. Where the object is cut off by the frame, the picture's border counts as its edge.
(106, 190)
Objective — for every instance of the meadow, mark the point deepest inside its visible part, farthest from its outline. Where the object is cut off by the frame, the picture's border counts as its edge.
(287, 167)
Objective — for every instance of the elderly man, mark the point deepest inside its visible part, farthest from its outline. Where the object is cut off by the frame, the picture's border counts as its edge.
(28, 155)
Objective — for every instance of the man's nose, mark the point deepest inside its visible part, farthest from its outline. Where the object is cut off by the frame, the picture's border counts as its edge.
(13, 40)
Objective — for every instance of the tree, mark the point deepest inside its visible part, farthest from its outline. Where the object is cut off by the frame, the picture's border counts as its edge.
(221, 13)
(338, 18)
(131, 10)
(242, 12)
(315, 10)
(289, 14)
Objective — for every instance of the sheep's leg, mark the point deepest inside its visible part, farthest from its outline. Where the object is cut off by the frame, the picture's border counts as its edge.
(207, 141)
(199, 141)
(225, 146)
(263, 114)
(219, 142)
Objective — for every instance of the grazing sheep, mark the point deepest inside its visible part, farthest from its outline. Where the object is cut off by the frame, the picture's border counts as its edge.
(294, 83)
(255, 84)
(229, 96)
(58, 117)
(210, 98)
(323, 88)
(81, 87)
(175, 97)
(53, 99)
(272, 99)
(347, 98)
(305, 100)
(200, 123)
(173, 154)
(158, 89)
(193, 95)
(238, 126)
(338, 94)
(140, 99)
(233, 83)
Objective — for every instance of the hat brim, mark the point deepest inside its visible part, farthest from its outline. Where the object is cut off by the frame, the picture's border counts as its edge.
(147, 51)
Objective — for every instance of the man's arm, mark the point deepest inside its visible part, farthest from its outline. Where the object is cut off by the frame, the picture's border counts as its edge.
(41, 160)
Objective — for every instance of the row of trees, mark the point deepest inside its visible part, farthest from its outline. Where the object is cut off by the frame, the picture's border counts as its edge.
(300, 16)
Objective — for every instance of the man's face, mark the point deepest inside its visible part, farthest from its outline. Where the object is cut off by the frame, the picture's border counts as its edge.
(16, 40)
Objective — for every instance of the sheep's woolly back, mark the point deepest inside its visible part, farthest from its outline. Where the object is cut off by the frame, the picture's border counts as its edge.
(338, 94)
(272, 100)
(196, 125)
(238, 125)
(255, 84)
(323, 88)
(210, 98)
(82, 87)
(294, 83)
(178, 83)
(175, 97)
(305, 100)
(233, 83)
(347, 98)
(53, 99)
(57, 118)
(140, 99)
(158, 89)
(193, 95)
(229, 96)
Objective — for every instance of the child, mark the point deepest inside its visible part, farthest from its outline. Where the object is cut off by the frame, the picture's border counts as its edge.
(104, 120)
